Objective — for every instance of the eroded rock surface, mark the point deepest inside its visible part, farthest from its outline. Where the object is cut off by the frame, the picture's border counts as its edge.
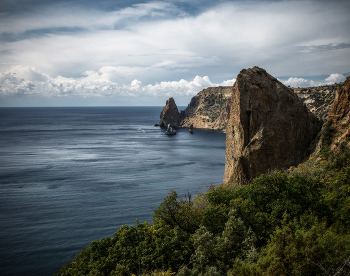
(268, 128)
(319, 98)
(341, 105)
(209, 109)
(339, 114)
(170, 114)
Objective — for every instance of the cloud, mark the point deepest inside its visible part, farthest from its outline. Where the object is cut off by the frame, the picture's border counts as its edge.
(322, 48)
(333, 78)
(301, 82)
(65, 17)
(296, 82)
(28, 73)
(167, 48)
(24, 80)
(163, 41)
(228, 82)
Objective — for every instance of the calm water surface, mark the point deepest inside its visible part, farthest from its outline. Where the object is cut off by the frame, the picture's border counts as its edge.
(69, 176)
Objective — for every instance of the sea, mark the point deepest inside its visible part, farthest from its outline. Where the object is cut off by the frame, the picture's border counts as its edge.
(71, 175)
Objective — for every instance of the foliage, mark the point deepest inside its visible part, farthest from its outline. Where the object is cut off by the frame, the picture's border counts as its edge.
(261, 71)
(133, 250)
(217, 253)
(212, 105)
(294, 222)
(178, 213)
(302, 247)
(327, 135)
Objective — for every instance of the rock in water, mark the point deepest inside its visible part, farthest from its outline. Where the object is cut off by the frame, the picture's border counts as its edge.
(170, 131)
(170, 114)
(269, 127)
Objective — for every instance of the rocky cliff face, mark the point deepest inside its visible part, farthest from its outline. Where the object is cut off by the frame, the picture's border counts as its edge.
(209, 109)
(319, 98)
(170, 114)
(268, 128)
(340, 108)
(339, 114)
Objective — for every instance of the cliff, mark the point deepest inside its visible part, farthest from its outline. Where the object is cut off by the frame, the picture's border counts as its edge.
(339, 114)
(209, 109)
(318, 99)
(340, 109)
(269, 127)
(335, 132)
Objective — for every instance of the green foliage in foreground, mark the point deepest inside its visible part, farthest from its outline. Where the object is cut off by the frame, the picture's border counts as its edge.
(288, 223)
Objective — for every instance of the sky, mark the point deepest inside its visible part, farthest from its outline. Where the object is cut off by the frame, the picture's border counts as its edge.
(132, 52)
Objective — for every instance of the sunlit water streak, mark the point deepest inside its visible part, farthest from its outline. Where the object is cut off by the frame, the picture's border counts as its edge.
(72, 175)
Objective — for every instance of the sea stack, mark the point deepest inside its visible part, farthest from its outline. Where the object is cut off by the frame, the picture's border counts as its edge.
(268, 128)
(170, 114)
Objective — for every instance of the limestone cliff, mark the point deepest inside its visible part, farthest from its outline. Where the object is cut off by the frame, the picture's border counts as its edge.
(340, 109)
(319, 98)
(268, 128)
(209, 109)
(339, 118)
(170, 114)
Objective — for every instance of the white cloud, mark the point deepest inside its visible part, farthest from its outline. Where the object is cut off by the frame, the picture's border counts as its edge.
(92, 84)
(335, 78)
(228, 82)
(161, 39)
(73, 50)
(296, 82)
(301, 82)
(28, 73)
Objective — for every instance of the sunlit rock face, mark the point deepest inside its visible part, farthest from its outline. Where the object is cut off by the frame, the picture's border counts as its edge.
(209, 109)
(269, 127)
(339, 114)
(340, 108)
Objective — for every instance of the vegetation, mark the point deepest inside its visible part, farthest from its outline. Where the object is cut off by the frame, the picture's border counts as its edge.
(212, 105)
(294, 222)
(261, 71)
(320, 99)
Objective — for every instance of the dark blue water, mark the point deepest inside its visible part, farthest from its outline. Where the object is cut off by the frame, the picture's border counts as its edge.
(69, 176)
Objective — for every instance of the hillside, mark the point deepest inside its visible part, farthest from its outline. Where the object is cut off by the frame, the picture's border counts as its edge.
(319, 98)
(284, 222)
(208, 109)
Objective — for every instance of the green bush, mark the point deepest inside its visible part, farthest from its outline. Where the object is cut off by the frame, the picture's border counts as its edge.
(294, 222)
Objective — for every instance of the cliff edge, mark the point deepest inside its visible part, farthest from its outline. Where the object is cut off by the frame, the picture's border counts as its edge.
(268, 128)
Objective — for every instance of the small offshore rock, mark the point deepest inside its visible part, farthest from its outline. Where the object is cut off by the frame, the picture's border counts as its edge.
(170, 131)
